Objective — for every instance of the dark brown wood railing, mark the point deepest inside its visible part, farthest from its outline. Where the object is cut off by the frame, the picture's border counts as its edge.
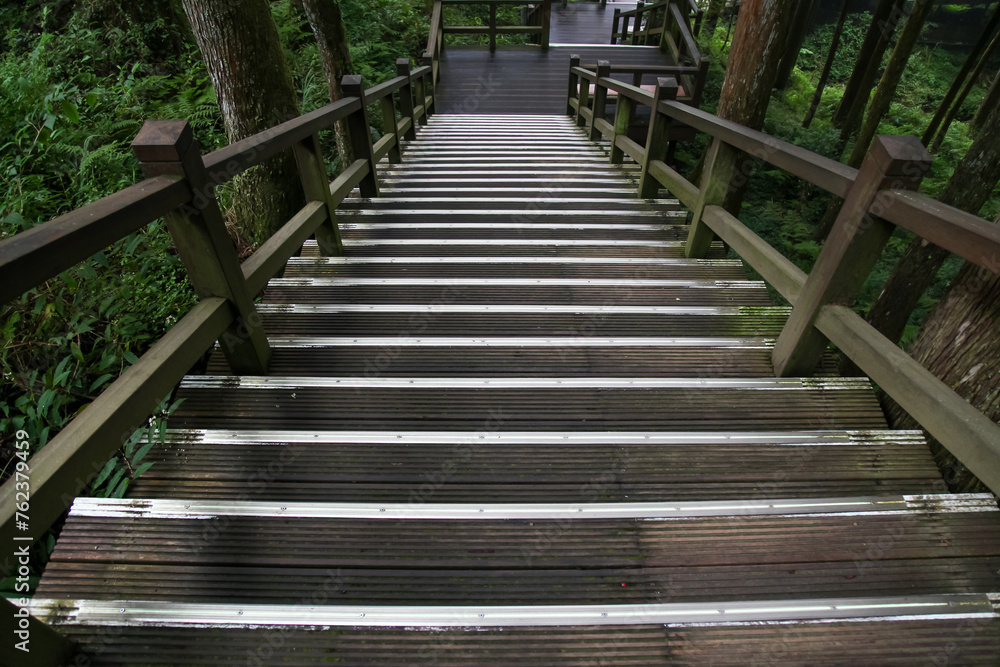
(539, 13)
(668, 23)
(180, 187)
(879, 196)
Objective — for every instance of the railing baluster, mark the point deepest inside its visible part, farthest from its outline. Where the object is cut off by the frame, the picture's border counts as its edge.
(658, 137)
(169, 148)
(546, 23)
(421, 92)
(361, 135)
(637, 23)
(389, 126)
(574, 61)
(406, 98)
(600, 99)
(850, 252)
(624, 110)
(316, 186)
(493, 27)
(615, 26)
(428, 89)
(581, 120)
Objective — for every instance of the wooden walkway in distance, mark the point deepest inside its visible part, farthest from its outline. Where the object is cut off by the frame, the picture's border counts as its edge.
(527, 80)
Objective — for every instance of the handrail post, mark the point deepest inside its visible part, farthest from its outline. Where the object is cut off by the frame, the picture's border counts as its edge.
(637, 22)
(420, 90)
(658, 137)
(584, 101)
(316, 187)
(493, 27)
(361, 136)
(406, 98)
(615, 21)
(166, 147)
(624, 110)
(716, 177)
(574, 61)
(429, 90)
(854, 245)
(600, 99)
(546, 23)
(389, 126)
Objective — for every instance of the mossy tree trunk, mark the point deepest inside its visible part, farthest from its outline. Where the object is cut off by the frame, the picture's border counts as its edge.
(762, 28)
(240, 44)
(327, 24)
(712, 15)
(869, 60)
(805, 14)
(890, 80)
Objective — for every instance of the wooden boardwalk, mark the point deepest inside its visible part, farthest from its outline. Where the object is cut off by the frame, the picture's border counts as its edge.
(526, 80)
(513, 424)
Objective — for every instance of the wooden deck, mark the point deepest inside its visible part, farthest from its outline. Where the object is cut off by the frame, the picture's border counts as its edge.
(527, 80)
(515, 425)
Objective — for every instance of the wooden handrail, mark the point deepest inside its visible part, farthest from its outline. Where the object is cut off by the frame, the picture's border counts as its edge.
(438, 29)
(30, 258)
(972, 437)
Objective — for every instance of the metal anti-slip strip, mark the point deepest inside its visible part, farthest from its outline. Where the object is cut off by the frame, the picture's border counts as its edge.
(540, 198)
(453, 259)
(513, 242)
(162, 613)
(195, 509)
(572, 439)
(515, 282)
(502, 225)
(293, 383)
(583, 214)
(517, 341)
(306, 308)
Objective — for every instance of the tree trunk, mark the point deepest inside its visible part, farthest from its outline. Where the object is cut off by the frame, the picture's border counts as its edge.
(973, 78)
(969, 188)
(712, 14)
(890, 80)
(960, 78)
(328, 25)
(805, 14)
(958, 344)
(872, 50)
(991, 101)
(857, 109)
(239, 42)
(761, 31)
(828, 65)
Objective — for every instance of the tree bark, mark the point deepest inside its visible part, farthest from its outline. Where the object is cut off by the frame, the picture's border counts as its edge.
(890, 80)
(327, 25)
(958, 344)
(761, 31)
(960, 78)
(969, 188)
(872, 49)
(805, 14)
(991, 101)
(240, 44)
(828, 65)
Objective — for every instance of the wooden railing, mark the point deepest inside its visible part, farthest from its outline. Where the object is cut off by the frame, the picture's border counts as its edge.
(668, 23)
(180, 187)
(539, 14)
(879, 196)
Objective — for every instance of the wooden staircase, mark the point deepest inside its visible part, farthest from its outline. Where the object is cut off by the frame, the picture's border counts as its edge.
(513, 424)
